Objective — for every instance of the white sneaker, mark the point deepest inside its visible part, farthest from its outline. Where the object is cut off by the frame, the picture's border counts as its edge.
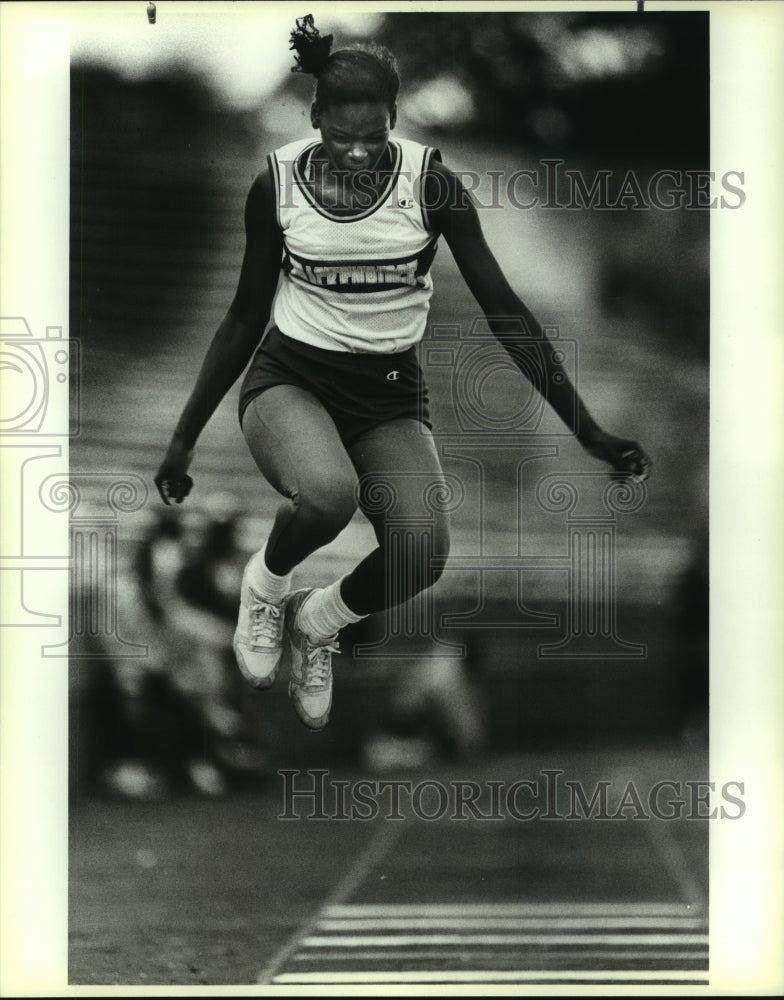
(310, 686)
(258, 639)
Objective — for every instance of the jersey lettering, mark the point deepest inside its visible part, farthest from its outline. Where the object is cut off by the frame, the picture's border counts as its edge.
(363, 275)
(359, 282)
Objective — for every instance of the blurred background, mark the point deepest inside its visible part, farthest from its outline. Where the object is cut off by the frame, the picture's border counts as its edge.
(169, 124)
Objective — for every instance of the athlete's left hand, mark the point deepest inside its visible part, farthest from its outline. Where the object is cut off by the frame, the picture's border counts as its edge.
(172, 478)
(626, 457)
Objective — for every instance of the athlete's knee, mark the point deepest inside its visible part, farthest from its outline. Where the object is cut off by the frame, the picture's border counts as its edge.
(327, 507)
(420, 557)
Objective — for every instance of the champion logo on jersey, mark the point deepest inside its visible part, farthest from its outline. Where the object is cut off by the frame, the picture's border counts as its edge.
(362, 276)
(393, 376)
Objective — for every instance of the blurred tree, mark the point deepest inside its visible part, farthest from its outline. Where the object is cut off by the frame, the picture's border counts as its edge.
(607, 82)
(147, 174)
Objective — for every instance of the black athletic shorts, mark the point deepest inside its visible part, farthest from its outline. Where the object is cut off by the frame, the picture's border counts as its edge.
(359, 391)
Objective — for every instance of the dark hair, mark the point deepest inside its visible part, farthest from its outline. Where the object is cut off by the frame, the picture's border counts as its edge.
(360, 73)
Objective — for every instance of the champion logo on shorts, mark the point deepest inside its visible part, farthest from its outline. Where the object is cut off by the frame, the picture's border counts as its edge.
(393, 376)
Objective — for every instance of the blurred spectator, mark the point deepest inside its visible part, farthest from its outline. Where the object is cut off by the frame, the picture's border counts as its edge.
(169, 721)
(211, 577)
(434, 709)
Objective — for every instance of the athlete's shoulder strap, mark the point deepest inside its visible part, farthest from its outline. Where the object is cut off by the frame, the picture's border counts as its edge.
(291, 150)
(281, 164)
(415, 165)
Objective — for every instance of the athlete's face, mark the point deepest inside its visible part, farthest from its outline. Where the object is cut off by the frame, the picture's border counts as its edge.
(354, 135)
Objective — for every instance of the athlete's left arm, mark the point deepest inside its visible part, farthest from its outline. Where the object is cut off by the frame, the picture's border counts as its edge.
(452, 212)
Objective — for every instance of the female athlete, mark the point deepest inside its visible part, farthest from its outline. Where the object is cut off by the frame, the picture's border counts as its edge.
(332, 399)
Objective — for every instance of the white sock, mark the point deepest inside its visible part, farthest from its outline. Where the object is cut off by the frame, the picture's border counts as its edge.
(323, 613)
(267, 584)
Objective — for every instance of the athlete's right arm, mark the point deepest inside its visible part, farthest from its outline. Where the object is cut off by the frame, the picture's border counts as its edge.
(235, 340)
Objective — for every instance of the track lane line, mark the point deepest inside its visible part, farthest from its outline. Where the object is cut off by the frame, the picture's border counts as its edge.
(484, 976)
(500, 940)
(379, 846)
(392, 954)
(570, 909)
(671, 853)
(331, 924)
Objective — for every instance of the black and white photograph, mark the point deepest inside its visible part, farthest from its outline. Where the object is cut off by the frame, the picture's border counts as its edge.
(391, 461)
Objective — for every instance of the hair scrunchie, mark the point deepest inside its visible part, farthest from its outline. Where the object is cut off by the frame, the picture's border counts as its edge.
(312, 48)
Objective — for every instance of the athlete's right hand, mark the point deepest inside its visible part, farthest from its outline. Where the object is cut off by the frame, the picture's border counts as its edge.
(172, 479)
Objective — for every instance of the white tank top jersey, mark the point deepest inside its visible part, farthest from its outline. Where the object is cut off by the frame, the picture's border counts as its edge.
(358, 283)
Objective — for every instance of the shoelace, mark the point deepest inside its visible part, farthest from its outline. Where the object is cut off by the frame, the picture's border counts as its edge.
(264, 619)
(318, 663)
